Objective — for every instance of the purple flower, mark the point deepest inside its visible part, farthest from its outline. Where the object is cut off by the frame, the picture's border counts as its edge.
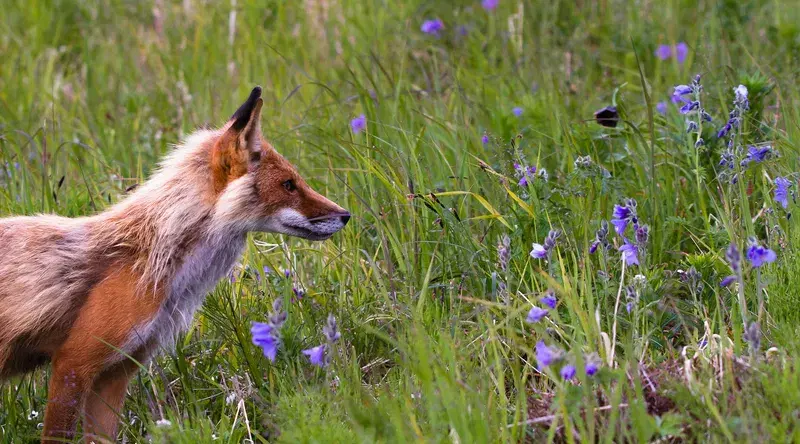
(568, 371)
(331, 330)
(757, 154)
(535, 315)
(782, 191)
(682, 90)
(287, 272)
(316, 355)
(485, 139)
(759, 255)
(689, 107)
(490, 5)
(725, 130)
(545, 355)
(539, 251)
(620, 218)
(266, 337)
(681, 52)
(432, 27)
(298, 294)
(727, 281)
(549, 299)
(661, 107)
(517, 111)
(592, 364)
(663, 52)
(630, 253)
(358, 124)
(678, 99)
(523, 181)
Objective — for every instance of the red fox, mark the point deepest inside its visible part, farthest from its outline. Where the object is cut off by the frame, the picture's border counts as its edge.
(91, 293)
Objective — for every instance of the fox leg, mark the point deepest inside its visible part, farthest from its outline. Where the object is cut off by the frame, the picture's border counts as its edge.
(104, 404)
(90, 356)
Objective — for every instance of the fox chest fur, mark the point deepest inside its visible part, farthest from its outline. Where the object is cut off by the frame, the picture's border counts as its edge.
(211, 259)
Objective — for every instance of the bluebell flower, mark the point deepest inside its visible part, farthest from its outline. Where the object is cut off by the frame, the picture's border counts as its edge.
(759, 255)
(535, 315)
(317, 356)
(485, 139)
(592, 364)
(725, 130)
(782, 191)
(600, 238)
(432, 27)
(757, 154)
(661, 107)
(621, 216)
(727, 281)
(568, 371)
(331, 330)
(538, 251)
(690, 107)
(287, 272)
(545, 355)
(266, 337)
(733, 257)
(490, 5)
(679, 99)
(682, 90)
(549, 299)
(517, 111)
(358, 124)
(630, 253)
(681, 52)
(663, 52)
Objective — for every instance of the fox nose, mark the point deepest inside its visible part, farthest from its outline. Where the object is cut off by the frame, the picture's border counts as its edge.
(345, 218)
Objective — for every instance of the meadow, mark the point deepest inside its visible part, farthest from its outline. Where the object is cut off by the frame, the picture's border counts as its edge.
(549, 241)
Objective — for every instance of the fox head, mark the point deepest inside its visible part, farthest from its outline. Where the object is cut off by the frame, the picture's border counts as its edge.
(262, 191)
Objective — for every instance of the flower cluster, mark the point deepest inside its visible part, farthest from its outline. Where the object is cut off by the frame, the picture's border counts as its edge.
(548, 356)
(319, 355)
(689, 95)
(679, 51)
(536, 313)
(782, 192)
(624, 215)
(540, 251)
(525, 174)
(267, 335)
(601, 238)
(740, 106)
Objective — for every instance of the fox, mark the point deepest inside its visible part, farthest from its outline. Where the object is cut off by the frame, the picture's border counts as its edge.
(97, 296)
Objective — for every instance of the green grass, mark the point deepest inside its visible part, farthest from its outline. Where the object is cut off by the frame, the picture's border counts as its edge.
(93, 93)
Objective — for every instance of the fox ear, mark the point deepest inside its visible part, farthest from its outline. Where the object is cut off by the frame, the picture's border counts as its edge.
(246, 124)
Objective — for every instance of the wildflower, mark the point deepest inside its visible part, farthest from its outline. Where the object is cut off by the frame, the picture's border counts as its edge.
(642, 234)
(691, 126)
(287, 273)
(681, 52)
(759, 255)
(583, 162)
(490, 5)
(432, 27)
(725, 130)
(752, 335)
(568, 371)
(546, 355)
(535, 315)
(630, 253)
(600, 238)
(592, 364)
(661, 107)
(316, 355)
(622, 215)
(358, 124)
(517, 111)
(298, 294)
(267, 336)
(782, 191)
(733, 257)
(682, 90)
(538, 251)
(331, 330)
(740, 105)
(690, 107)
(608, 116)
(757, 154)
(485, 139)
(678, 99)
(503, 252)
(524, 173)
(663, 52)
(727, 281)
(549, 299)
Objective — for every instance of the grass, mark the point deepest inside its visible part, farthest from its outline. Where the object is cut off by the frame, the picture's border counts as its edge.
(434, 345)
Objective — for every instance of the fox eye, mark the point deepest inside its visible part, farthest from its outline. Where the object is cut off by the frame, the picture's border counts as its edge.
(289, 185)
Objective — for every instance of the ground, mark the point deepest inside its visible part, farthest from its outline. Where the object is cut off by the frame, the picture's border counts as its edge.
(433, 282)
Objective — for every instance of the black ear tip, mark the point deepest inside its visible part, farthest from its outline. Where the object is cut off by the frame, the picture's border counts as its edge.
(242, 115)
